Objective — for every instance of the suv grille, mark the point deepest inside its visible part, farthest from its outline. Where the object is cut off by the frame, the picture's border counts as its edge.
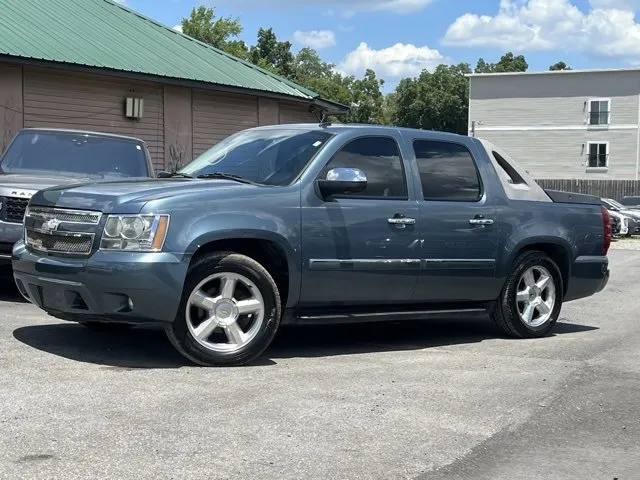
(14, 209)
(57, 230)
(74, 244)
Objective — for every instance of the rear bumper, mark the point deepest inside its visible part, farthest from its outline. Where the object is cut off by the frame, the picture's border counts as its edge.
(589, 275)
(107, 287)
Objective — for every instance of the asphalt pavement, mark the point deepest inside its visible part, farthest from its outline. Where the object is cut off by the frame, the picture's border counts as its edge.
(428, 400)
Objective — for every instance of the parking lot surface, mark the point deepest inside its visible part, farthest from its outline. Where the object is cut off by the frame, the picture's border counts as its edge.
(432, 400)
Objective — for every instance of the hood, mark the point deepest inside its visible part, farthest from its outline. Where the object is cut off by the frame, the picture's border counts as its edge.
(131, 195)
(12, 184)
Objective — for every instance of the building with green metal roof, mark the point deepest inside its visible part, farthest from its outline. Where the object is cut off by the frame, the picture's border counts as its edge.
(96, 64)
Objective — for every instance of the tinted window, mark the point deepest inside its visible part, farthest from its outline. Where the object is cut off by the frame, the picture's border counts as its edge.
(447, 171)
(74, 154)
(271, 157)
(379, 158)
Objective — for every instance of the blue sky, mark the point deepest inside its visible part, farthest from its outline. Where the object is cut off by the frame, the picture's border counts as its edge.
(399, 38)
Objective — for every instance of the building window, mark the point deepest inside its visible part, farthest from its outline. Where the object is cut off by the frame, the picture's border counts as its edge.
(599, 112)
(598, 156)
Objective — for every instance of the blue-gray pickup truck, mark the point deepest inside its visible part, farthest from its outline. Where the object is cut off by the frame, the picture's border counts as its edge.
(313, 224)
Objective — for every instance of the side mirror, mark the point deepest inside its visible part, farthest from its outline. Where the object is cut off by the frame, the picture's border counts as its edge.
(163, 174)
(342, 180)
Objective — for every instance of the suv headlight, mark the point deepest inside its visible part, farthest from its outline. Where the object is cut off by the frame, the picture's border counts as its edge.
(140, 233)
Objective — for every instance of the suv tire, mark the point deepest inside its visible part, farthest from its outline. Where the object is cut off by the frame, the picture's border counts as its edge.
(229, 312)
(531, 300)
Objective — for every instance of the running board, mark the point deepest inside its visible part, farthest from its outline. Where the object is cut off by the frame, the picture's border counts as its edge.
(308, 318)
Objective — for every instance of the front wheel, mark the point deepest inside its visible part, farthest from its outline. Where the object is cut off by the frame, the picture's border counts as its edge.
(229, 312)
(530, 302)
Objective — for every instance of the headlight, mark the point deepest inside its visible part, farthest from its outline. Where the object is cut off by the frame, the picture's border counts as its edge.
(140, 233)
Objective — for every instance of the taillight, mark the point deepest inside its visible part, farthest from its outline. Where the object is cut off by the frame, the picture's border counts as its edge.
(606, 230)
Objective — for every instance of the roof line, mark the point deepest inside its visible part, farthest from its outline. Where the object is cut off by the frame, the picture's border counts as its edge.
(554, 72)
(303, 90)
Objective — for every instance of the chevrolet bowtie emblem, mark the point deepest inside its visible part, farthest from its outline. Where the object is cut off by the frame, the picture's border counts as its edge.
(51, 225)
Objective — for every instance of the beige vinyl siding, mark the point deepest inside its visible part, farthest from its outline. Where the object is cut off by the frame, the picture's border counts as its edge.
(561, 154)
(554, 99)
(290, 113)
(62, 99)
(218, 115)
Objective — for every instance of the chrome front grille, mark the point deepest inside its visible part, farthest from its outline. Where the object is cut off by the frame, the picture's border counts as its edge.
(78, 244)
(58, 230)
(14, 209)
(69, 216)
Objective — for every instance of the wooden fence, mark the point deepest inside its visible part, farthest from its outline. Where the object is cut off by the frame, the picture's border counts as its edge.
(615, 189)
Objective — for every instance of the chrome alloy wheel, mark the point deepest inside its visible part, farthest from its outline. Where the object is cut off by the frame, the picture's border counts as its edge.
(536, 296)
(225, 312)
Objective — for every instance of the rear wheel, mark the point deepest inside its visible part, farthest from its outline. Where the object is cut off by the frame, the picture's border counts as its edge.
(229, 312)
(531, 299)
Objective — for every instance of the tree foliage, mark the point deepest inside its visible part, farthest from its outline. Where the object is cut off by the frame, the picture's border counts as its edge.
(559, 66)
(507, 63)
(435, 100)
(220, 32)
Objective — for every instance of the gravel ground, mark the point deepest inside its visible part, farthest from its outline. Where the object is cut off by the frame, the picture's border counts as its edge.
(431, 400)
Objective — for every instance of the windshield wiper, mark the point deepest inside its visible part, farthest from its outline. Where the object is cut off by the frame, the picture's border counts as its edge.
(227, 176)
(172, 174)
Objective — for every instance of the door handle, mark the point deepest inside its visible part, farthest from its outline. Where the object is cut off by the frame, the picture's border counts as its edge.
(401, 221)
(481, 221)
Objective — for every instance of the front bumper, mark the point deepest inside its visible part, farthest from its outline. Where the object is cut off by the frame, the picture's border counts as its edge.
(10, 233)
(108, 286)
(589, 275)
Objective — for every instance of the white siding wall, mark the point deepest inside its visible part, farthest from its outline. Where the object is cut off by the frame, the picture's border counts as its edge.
(561, 154)
(530, 115)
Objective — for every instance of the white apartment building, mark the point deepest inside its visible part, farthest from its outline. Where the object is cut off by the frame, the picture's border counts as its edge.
(575, 124)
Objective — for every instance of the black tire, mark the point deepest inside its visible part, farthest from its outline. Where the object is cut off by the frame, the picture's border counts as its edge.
(106, 326)
(226, 262)
(504, 312)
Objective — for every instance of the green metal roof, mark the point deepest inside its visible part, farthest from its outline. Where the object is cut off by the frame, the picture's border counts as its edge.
(105, 34)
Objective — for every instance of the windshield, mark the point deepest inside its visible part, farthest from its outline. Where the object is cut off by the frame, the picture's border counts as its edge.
(269, 157)
(614, 203)
(74, 154)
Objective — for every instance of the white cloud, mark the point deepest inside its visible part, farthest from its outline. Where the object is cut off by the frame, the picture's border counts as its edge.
(316, 39)
(553, 24)
(178, 28)
(399, 60)
(348, 8)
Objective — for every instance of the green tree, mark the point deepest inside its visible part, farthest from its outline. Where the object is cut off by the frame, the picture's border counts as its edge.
(507, 63)
(434, 101)
(366, 99)
(220, 32)
(484, 67)
(559, 66)
(272, 54)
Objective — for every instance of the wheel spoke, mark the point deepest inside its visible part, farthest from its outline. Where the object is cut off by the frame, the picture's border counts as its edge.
(523, 296)
(251, 305)
(543, 282)
(206, 328)
(201, 300)
(228, 287)
(527, 315)
(234, 333)
(529, 281)
(543, 308)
